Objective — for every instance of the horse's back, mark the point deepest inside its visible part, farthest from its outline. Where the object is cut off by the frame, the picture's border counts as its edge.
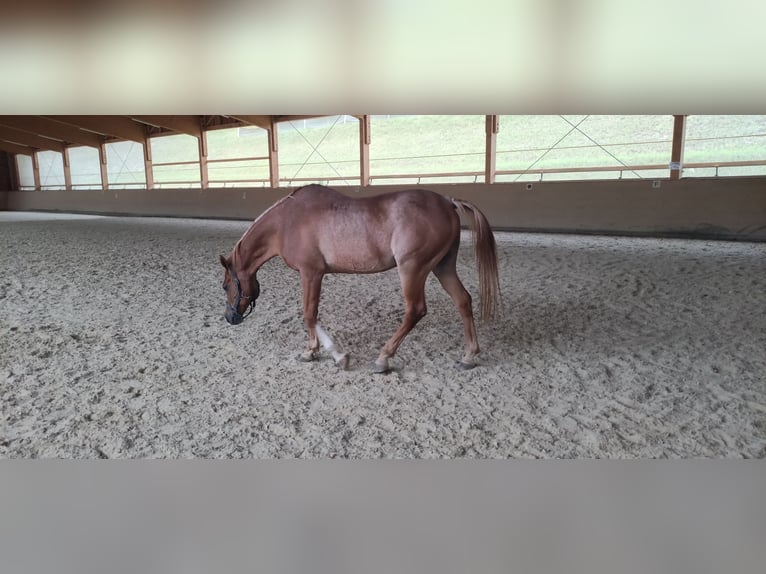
(397, 207)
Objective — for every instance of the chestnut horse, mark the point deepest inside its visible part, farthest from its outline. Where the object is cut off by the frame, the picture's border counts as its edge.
(317, 230)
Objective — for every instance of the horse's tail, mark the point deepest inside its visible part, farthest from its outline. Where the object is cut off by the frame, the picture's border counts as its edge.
(486, 258)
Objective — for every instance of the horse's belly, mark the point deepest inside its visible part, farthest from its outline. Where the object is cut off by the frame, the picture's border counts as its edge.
(355, 242)
(357, 257)
(353, 263)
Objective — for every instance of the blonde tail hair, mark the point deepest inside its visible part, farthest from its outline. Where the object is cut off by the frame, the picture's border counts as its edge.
(486, 258)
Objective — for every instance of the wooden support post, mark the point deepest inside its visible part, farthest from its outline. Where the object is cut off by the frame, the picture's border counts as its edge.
(273, 154)
(492, 127)
(15, 175)
(102, 165)
(203, 176)
(67, 169)
(364, 150)
(677, 151)
(36, 171)
(148, 171)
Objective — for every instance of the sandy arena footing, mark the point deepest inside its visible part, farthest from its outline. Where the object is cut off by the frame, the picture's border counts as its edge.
(113, 344)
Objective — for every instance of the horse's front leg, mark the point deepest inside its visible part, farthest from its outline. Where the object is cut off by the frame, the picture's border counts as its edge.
(311, 282)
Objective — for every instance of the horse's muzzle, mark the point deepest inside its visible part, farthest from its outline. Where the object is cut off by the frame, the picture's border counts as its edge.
(234, 317)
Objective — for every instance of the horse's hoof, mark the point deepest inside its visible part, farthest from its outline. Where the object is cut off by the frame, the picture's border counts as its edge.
(307, 356)
(379, 369)
(465, 366)
(343, 361)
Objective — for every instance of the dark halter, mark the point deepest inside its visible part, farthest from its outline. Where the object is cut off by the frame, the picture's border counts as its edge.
(235, 315)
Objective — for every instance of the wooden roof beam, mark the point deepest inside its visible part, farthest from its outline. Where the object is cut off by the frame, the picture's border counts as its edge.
(41, 126)
(291, 118)
(189, 125)
(263, 122)
(120, 127)
(17, 149)
(220, 122)
(25, 138)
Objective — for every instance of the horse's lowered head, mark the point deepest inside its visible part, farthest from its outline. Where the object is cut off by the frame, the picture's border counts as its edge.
(241, 292)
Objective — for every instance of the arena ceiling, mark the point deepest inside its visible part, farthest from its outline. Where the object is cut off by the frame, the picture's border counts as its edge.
(28, 134)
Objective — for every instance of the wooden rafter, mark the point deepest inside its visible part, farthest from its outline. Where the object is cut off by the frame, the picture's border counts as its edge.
(120, 127)
(263, 122)
(220, 122)
(39, 125)
(25, 138)
(189, 125)
(17, 149)
(280, 119)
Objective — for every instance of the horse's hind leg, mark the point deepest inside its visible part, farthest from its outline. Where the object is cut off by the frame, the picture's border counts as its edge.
(446, 272)
(413, 287)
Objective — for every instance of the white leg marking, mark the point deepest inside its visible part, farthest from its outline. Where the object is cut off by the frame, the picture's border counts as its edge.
(324, 338)
(328, 344)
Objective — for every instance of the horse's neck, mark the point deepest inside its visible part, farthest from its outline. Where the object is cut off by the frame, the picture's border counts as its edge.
(257, 245)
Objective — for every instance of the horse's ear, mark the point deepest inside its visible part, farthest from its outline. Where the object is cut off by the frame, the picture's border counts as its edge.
(224, 262)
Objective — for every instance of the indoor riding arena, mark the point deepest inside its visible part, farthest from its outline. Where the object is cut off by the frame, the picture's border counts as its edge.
(631, 256)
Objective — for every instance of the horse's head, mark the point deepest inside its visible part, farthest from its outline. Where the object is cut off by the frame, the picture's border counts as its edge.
(240, 296)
